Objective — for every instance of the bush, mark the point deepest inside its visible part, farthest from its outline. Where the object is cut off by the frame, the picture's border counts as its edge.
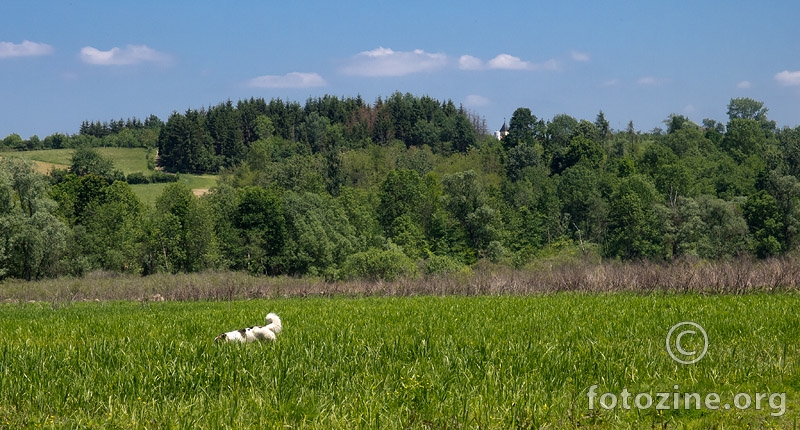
(159, 177)
(376, 264)
(442, 265)
(137, 178)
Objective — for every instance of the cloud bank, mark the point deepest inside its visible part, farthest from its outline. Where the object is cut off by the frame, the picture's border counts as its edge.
(383, 62)
(651, 81)
(580, 56)
(24, 49)
(788, 78)
(505, 62)
(130, 55)
(468, 62)
(289, 80)
(474, 100)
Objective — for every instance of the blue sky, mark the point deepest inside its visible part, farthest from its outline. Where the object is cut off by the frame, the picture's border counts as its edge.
(65, 62)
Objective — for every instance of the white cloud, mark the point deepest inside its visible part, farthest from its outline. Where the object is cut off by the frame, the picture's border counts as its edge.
(743, 85)
(788, 78)
(382, 62)
(547, 65)
(689, 109)
(131, 54)
(611, 83)
(651, 81)
(468, 62)
(24, 49)
(510, 62)
(580, 56)
(474, 100)
(289, 80)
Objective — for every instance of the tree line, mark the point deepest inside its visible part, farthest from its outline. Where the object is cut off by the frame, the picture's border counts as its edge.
(130, 133)
(343, 189)
(207, 140)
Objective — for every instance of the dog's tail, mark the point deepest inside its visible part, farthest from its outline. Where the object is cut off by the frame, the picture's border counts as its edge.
(274, 323)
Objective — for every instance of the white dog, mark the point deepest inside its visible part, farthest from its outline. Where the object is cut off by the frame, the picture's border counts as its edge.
(252, 334)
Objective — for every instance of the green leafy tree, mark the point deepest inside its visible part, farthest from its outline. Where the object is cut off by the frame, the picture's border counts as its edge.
(113, 229)
(261, 224)
(677, 122)
(87, 161)
(335, 176)
(225, 130)
(788, 143)
(766, 225)
(520, 158)
(379, 264)
(726, 230)
(15, 142)
(33, 239)
(463, 136)
(76, 194)
(786, 191)
(424, 133)
(602, 126)
(223, 203)
(263, 128)
(401, 193)
(584, 207)
(535, 196)
(582, 149)
(682, 227)
(179, 235)
(560, 131)
(633, 222)
(318, 234)
(747, 108)
(185, 146)
(523, 129)
(744, 138)
(466, 201)
(315, 131)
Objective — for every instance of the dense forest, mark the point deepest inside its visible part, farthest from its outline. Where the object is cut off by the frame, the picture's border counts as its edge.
(340, 188)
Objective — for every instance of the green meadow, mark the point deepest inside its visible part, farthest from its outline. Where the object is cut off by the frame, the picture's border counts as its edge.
(127, 160)
(397, 362)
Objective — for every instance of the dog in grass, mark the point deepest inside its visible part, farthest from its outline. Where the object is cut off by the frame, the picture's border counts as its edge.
(252, 334)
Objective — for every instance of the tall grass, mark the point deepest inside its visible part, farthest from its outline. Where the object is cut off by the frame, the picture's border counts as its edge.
(403, 362)
(723, 277)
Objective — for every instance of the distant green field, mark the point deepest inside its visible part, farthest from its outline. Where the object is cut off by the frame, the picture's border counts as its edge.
(128, 160)
(418, 362)
(148, 193)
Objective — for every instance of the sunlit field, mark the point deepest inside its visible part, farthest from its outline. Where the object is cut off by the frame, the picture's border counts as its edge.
(403, 362)
(127, 160)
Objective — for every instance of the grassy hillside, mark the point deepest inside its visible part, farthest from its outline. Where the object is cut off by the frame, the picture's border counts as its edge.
(414, 362)
(128, 160)
(148, 193)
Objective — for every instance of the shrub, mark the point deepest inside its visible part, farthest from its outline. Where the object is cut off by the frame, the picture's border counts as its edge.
(137, 178)
(376, 264)
(158, 177)
(442, 265)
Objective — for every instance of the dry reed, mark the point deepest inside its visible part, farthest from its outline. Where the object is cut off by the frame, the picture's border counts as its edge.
(685, 276)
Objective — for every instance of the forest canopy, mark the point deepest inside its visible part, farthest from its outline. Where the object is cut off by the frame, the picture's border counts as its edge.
(403, 186)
